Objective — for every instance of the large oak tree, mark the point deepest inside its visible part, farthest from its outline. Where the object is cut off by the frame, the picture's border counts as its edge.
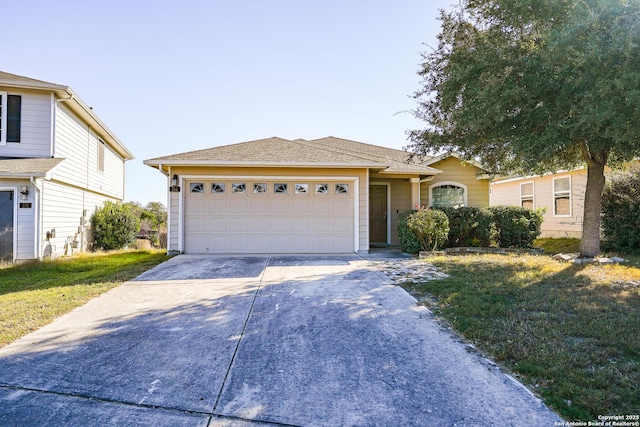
(536, 86)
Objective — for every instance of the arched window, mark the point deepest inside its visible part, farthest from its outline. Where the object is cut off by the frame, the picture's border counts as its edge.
(448, 195)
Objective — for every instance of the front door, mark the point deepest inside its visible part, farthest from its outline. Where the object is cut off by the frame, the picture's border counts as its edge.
(378, 214)
(6, 225)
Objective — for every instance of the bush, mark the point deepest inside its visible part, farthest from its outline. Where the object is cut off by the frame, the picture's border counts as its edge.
(621, 212)
(408, 239)
(470, 227)
(503, 226)
(114, 226)
(516, 227)
(430, 226)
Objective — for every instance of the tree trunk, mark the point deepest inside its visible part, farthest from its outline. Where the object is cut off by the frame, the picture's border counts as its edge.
(590, 244)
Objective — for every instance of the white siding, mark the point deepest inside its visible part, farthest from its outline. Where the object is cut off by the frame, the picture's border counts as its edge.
(64, 209)
(26, 223)
(78, 145)
(35, 126)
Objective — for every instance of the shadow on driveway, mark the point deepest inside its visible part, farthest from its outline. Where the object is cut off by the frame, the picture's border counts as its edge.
(256, 341)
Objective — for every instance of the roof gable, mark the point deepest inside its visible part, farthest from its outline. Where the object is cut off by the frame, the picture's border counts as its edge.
(65, 94)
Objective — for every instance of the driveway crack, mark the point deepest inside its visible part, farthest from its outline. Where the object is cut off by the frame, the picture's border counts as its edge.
(244, 328)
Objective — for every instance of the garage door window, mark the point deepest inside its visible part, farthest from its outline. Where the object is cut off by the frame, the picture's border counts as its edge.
(259, 188)
(197, 187)
(280, 188)
(217, 188)
(302, 188)
(342, 188)
(322, 188)
(239, 188)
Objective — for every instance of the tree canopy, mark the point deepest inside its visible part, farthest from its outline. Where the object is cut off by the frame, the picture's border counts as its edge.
(534, 87)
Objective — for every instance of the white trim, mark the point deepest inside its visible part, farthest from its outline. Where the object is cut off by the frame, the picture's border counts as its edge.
(388, 185)
(16, 192)
(353, 179)
(533, 192)
(438, 184)
(553, 196)
(3, 119)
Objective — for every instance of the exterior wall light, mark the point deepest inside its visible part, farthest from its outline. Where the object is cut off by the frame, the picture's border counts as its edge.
(24, 192)
(174, 188)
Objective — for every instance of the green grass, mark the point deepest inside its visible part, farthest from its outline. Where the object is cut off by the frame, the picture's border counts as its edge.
(33, 294)
(569, 332)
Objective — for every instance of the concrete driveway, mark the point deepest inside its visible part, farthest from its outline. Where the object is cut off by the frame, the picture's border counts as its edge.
(256, 340)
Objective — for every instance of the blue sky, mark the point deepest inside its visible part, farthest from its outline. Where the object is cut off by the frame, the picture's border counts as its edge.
(168, 77)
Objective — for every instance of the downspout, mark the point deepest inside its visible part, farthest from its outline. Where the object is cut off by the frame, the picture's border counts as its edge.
(37, 220)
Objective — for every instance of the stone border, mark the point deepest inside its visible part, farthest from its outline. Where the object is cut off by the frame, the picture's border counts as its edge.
(482, 250)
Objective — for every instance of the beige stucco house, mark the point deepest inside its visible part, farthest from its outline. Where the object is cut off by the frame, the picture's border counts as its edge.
(58, 162)
(327, 195)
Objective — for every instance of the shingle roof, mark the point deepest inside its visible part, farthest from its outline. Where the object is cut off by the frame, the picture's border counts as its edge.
(25, 168)
(324, 152)
(8, 79)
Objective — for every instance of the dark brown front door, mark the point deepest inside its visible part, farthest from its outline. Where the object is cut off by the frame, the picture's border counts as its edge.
(378, 214)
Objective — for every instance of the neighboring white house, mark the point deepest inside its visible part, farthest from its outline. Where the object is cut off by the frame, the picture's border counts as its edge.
(58, 163)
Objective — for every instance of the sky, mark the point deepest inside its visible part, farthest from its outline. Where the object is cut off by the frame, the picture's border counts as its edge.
(174, 76)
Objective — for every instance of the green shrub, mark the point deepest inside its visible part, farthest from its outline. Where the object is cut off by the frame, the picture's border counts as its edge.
(470, 227)
(430, 226)
(408, 239)
(516, 227)
(621, 212)
(114, 226)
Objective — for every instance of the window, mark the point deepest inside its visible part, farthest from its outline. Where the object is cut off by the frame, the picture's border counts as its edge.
(342, 188)
(100, 156)
(239, 188)
(302, 188)
(448, 196)
(217, 188)
(259, 188)
(196, 187)
(10, 117)
(562, 196)
(526, 195)
(280, 188)
(322, 188)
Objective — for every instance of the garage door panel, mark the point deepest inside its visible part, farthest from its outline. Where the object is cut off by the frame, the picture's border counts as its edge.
(218, 206)
(227, 222)
(301, 225)
(218, 225)
(343, 225)
(281, 225)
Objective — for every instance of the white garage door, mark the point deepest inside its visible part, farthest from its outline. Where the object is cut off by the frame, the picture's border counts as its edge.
(249, 216)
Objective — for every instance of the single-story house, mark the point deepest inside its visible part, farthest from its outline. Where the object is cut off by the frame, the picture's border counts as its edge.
(560, 194)
(58, 163)
(327, 195)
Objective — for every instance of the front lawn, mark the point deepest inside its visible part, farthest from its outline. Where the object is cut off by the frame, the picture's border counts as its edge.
(33, 294)
(569, 332)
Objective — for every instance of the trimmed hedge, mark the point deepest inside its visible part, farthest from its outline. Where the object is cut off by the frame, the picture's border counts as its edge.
(470, 227)
(516, 227)
(502, 226)
(621, 212)
(408, 239)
